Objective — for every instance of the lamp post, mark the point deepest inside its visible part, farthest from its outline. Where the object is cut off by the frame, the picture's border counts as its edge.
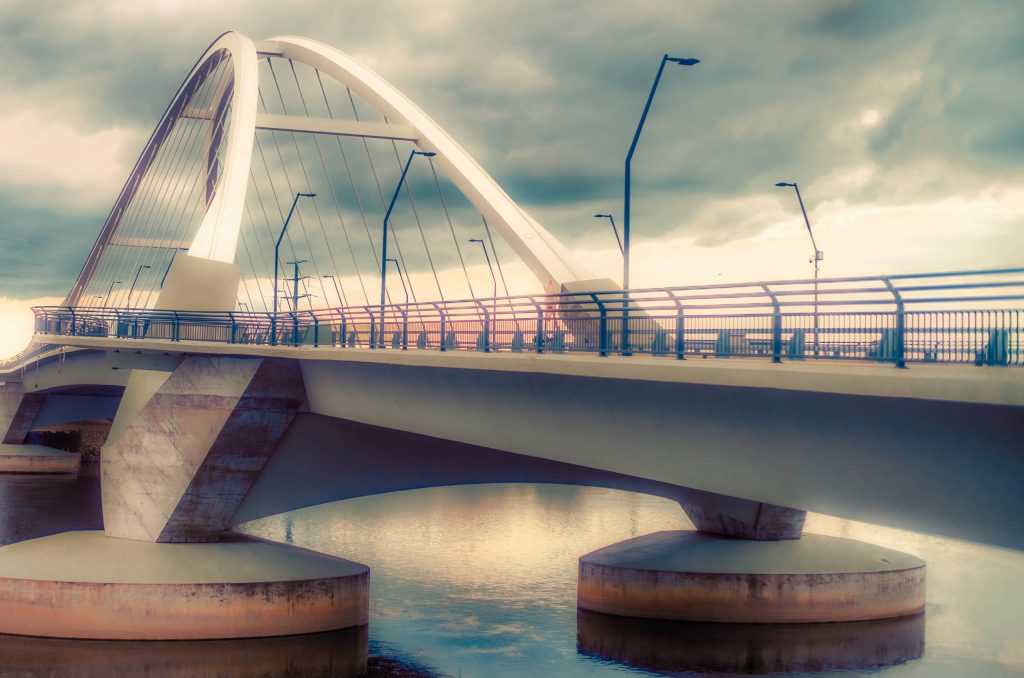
(384, 236)
(277, 248)
(614, 228)
(818, 254)
(141, 266)
(337, 290)
(402, 278)
(110, 289)
(625, 211)
(494, 297)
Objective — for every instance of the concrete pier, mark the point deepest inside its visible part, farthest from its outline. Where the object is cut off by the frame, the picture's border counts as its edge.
(36, 459)
(87, 585)
(692, 576)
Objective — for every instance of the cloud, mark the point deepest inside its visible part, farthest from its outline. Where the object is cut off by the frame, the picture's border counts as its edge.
(871, 105)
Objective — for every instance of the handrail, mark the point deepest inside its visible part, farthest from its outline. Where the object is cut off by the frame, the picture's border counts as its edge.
(965, 316)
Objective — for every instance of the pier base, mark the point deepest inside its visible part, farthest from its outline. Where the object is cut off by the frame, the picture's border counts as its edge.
(36, 459)
(87, 585)
(693, 576)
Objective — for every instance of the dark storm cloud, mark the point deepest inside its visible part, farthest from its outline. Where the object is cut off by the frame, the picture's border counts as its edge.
(546, 95)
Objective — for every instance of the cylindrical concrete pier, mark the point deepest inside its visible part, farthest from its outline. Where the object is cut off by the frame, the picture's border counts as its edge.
(87, 585)
(693, 576)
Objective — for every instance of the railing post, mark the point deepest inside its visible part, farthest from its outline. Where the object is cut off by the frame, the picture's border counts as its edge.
(680, 327)
(441, 343)
(405, 328)
(900, 339)
(776, 325)
(602, 327)
(316, 332)
(343, 339)
(539, 340)
(234, 327)
(175, 328)
(74, 321)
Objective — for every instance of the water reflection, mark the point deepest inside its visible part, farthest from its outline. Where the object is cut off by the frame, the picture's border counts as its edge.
(339, 653)
(749, 648)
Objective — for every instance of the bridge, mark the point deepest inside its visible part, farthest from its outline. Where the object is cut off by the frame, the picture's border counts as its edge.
(894, 399)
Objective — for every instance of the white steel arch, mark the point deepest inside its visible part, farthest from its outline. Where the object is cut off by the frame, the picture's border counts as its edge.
(544, 255)
(218, 233)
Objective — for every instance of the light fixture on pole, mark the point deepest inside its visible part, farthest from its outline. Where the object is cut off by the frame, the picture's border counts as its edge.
(337, 289)
(401, 278)
(277, 249)
(818, 254)
(682, 61)
(614, 228)
(141, 266)
(494, 297)
(110, 289)
(384, 236)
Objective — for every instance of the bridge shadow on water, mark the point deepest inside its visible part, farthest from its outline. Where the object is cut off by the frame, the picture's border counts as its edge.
(666, 646)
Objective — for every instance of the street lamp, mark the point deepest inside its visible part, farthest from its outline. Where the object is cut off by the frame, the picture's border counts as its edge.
(141, 266)
(614, 227)
(384, 237)
(494, 296)
(337, 289)
(625, 211)
(277, 248)
(402, 278)
(818, 254)
(111, 289)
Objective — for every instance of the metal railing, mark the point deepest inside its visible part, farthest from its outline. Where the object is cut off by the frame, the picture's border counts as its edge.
(972, 317)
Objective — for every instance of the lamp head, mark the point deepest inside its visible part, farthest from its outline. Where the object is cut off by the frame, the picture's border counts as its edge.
(785, 184)
(476, 240)
(425, 154)
(684, 61)
(308, 195)
(602, 216)
(146, 266)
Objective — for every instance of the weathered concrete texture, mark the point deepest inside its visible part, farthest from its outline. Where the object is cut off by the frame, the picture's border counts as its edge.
(334, 653)
(184, 449)
(87, 585)
(667, 646)
(743, 518)
(17, 412)
(36, 459)
(694, 576)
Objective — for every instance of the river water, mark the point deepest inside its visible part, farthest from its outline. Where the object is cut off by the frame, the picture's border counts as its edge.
(480, 581)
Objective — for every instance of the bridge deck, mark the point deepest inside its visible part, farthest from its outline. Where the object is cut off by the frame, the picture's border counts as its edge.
(959, 383)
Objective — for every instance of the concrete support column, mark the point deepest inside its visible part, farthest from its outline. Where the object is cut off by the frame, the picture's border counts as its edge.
(186, 446)
(18, 410)
(742, 518)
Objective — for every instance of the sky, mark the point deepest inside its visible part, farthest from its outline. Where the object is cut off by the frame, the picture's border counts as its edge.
(903, 122)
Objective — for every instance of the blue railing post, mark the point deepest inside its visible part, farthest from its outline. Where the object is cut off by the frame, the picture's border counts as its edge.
(234, 327)
(175, 328)
(405, 328)
(776, 325)
(74, 322)
(316, 332)
(539, 341)
(899, 349)
(680, 327)
(602, 327)
(441, 343)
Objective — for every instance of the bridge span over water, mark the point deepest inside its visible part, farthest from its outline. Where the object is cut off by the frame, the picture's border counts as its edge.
(895, 399)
